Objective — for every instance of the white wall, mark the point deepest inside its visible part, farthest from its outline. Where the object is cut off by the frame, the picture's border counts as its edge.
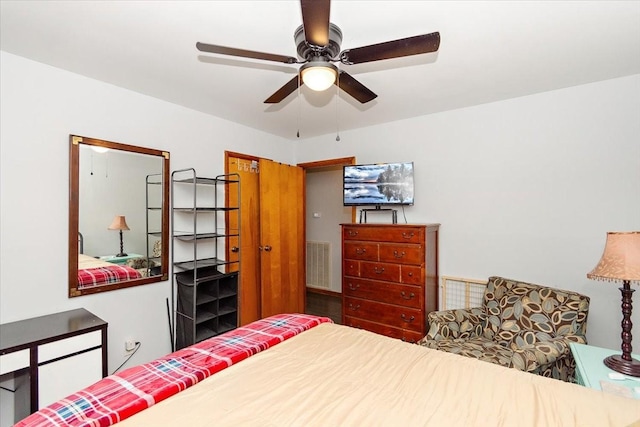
(324, 198)
(525, 188)
(39, 107)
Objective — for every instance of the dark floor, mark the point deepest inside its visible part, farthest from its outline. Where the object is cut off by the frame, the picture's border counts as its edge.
(321, 304)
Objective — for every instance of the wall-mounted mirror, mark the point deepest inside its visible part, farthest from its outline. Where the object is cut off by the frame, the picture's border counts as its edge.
(118, 215)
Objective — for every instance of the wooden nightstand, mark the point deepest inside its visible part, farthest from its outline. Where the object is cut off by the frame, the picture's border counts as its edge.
(120, 259)
(590, 370)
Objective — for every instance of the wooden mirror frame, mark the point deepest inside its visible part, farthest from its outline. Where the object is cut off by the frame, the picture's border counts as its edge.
(74, 198)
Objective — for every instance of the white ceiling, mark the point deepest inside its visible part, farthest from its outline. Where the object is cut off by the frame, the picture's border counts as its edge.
(490, 51)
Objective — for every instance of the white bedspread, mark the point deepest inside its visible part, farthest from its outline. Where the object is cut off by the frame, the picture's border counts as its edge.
(333, 375)
(86, 261)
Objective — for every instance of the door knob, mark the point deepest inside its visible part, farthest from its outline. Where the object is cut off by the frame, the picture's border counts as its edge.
(266, 248)
(234, 249)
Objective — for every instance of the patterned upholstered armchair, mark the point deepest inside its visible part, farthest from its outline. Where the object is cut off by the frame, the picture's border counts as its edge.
(520, 325)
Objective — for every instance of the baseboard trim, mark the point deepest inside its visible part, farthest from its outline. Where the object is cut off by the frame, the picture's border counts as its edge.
(324, 292)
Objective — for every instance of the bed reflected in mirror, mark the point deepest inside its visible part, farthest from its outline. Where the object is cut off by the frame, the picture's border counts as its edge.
(118, 216)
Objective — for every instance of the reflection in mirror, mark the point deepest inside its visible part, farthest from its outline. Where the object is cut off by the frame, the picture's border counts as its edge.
(118, 216)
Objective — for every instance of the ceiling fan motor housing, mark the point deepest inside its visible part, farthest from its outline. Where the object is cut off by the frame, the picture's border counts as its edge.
(307, 51)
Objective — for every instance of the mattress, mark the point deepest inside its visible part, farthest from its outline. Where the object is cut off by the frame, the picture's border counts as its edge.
(94, 272)
(333, 375)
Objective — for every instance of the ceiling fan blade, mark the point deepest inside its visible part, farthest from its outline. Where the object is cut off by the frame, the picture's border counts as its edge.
(415, 45)
(223, 50)
(284, 91)
(354, 88)
(315, 21)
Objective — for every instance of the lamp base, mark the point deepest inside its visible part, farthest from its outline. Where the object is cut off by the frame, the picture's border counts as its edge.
(618, 364)
(121, 254)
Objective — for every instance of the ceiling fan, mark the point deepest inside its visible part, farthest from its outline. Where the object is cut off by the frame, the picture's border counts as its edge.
(318, 46)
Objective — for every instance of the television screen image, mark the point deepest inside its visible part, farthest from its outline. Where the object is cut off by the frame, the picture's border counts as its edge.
(378, 184)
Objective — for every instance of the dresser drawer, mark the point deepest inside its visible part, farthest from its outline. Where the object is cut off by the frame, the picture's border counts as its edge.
(412, 275)
(392, 293)
(390, 331)
(351, 268)
(360, 250)
(392, 315)
(380, 271)
(402, 254)
(384, 233)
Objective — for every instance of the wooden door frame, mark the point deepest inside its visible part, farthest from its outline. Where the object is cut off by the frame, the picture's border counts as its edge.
(322, 164)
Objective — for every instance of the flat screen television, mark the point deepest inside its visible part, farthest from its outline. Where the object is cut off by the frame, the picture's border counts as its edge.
(378, 185)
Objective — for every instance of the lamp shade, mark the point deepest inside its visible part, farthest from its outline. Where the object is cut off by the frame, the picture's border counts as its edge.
(118, 223)
(318, 75)
(621, 258)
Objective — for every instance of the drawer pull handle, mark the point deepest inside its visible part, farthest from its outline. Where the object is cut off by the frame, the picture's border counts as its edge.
(378, 270)
(354, 308)
(398, 255)
(353, 288)
(410, 274)
(352, 233)
(409, 320)
(361, 251)
(404, 296)
(408, 235)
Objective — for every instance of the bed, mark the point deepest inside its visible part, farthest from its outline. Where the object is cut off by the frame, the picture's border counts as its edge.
(95, 272)
(302, 370)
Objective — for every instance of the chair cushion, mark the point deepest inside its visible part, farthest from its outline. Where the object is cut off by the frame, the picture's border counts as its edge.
(478, 348)
(521, 314)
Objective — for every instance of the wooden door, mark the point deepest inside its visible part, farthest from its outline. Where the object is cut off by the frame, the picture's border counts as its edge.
(249, 233)
(282, 263)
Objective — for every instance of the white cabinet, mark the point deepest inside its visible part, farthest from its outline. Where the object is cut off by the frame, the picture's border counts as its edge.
(50, 357)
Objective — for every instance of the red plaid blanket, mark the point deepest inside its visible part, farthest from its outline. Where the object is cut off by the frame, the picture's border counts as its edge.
(124, 394)
(90, 277)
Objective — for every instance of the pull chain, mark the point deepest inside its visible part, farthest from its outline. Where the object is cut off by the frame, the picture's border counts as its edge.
(337, 98)
(299, 107)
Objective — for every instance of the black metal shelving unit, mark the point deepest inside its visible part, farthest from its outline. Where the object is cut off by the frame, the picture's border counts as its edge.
(205, 283)
(154, 223)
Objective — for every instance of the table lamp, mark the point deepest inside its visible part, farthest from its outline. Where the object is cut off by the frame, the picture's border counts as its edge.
(620, 262)
(119, 223)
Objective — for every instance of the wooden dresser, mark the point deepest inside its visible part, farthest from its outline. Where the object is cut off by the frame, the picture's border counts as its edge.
(389, 278)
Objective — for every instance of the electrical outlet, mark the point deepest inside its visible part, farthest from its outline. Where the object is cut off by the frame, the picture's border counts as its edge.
(129, 345)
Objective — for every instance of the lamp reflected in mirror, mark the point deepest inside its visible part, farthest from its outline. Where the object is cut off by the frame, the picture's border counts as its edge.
(119, 223)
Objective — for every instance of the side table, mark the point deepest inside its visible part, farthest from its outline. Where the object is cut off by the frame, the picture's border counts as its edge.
(52, 356)
(593, 373)
(120, 259)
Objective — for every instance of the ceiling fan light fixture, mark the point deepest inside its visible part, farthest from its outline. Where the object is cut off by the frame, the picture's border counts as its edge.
(319, 75)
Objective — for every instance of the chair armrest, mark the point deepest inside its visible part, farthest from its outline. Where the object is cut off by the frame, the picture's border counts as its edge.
(531, 357)
(452, 324)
